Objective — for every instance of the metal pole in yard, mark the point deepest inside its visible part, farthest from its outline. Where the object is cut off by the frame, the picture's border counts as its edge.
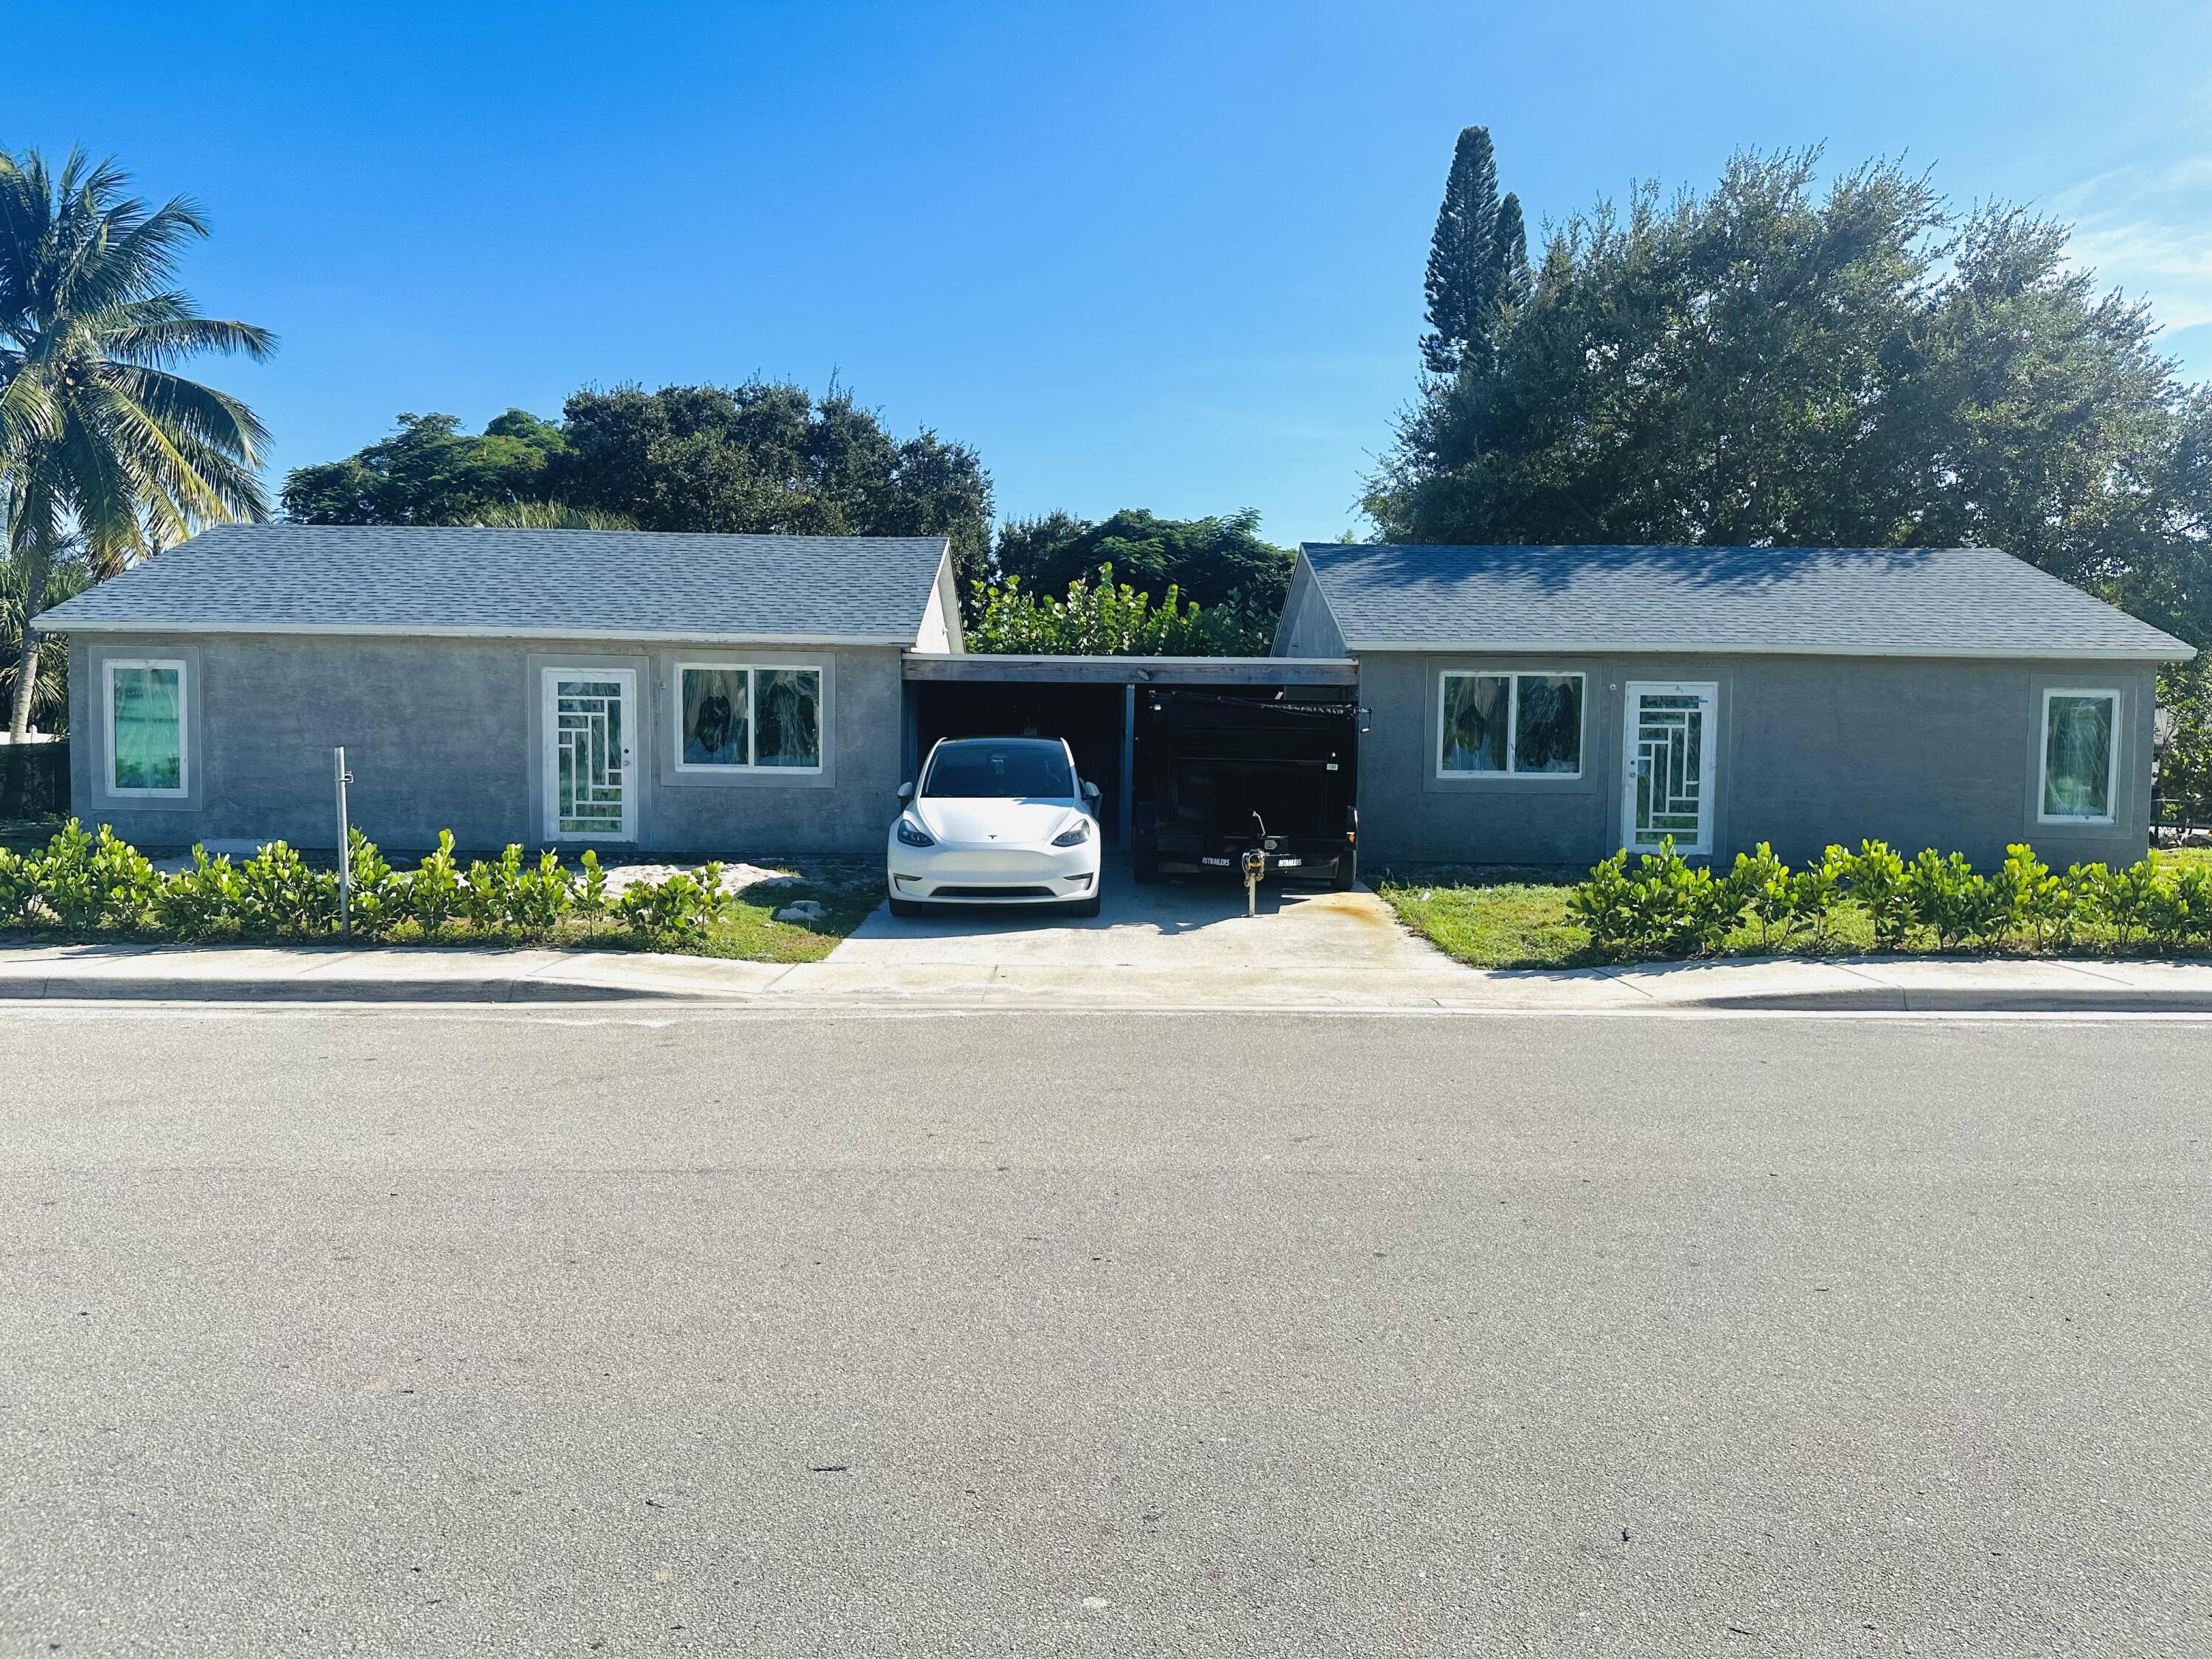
(345, 849)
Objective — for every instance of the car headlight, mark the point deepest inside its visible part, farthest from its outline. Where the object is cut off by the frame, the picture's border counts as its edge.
(914, 835)
(1075, 837)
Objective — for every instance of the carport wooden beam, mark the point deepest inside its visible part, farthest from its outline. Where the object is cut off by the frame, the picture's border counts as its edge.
(985, 668)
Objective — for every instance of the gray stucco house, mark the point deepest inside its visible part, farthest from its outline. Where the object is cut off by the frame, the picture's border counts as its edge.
(719, 695)
(670, 691)
(1548, 705)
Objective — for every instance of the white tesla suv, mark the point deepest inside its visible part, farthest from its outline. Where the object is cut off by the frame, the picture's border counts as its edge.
(996, 821)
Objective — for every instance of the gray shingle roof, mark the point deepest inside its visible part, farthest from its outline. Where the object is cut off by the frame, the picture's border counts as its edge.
(1948, 601)
(566, 584)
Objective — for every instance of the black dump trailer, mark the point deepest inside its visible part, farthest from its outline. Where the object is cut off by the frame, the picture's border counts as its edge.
(1218, 776)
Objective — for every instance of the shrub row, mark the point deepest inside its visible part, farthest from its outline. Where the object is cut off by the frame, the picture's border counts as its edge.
(1667, 906)
(85, 882)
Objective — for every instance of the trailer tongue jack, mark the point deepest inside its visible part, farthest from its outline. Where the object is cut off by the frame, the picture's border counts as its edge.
(1255, 865)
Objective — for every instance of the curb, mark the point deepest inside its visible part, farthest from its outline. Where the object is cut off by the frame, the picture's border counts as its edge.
(1963, 1000)
(530, 989)
(518, 988)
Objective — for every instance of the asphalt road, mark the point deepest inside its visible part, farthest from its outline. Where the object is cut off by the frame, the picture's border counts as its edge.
(517, 1333)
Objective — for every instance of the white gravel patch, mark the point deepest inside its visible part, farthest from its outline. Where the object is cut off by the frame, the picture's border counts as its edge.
(735, 877)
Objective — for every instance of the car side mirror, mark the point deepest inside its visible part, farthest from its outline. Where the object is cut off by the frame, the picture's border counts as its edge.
(1090, 791)
(906, 792)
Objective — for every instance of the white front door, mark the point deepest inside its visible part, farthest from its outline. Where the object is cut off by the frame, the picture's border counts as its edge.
(1667, 775)
(590, 789)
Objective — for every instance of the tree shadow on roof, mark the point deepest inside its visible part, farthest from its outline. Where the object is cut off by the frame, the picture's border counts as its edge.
(1555, 568)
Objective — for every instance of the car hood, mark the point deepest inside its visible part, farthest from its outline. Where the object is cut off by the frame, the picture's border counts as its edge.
(1010, 822)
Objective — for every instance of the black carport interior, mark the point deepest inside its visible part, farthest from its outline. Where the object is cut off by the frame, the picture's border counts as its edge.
(1098, 704)
(1089, 716)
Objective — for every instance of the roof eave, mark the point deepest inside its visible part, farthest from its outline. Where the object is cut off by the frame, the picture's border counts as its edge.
(2174, 652)
(409, 631)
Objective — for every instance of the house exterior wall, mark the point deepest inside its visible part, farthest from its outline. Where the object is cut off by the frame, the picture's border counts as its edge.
(445, 733)
(1917, 752)
(940, 618)
(1306, 628)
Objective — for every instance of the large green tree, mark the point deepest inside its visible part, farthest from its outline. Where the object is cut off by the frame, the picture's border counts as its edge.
(767, 456)
(429, 472)
(1210, 560)
(1478, 256)
(102, 442)
(762, 457)
(1773, 363)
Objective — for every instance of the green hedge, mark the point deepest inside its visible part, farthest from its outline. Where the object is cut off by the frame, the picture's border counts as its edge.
(1664, 905)
(84, 883)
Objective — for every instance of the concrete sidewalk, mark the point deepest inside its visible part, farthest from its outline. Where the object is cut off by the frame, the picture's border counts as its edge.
(873, 980)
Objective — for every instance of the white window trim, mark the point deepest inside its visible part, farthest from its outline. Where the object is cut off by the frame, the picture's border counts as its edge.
(750, 766)
(2112, 695)
(1513, 676)
(107, 668)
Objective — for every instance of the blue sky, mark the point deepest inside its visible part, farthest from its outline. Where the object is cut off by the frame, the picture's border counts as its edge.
(1158, 255)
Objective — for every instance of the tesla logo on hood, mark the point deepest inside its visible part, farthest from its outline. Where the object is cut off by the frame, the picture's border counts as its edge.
(994, 834)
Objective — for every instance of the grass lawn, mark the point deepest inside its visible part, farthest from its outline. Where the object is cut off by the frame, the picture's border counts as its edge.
(1518, 918)
(746, 929)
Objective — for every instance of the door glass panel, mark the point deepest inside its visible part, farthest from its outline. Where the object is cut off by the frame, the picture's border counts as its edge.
(1669, 769)
(589, 780)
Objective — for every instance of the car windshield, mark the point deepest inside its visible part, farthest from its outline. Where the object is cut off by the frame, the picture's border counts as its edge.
(999, 769)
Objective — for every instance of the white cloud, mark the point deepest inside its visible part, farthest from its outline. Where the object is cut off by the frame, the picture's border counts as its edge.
(2146, 224)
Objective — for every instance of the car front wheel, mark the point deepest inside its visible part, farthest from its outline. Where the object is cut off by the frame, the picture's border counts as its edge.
(907, 908)
(1084, 907)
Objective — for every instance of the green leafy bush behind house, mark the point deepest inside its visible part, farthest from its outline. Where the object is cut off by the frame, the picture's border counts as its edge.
(1664, 905)
(1102, 619)
(85, 882)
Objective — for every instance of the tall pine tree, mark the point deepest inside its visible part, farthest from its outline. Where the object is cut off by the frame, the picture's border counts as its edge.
(1509, 257)
(1478, 257)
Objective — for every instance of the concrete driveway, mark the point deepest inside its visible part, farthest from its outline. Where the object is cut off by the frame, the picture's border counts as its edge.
(1173, 925)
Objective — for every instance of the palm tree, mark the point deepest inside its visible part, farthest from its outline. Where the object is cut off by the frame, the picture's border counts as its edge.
(69, 576)
(98, 437)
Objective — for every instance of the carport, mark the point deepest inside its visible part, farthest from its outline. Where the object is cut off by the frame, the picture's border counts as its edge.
(1092, 702)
